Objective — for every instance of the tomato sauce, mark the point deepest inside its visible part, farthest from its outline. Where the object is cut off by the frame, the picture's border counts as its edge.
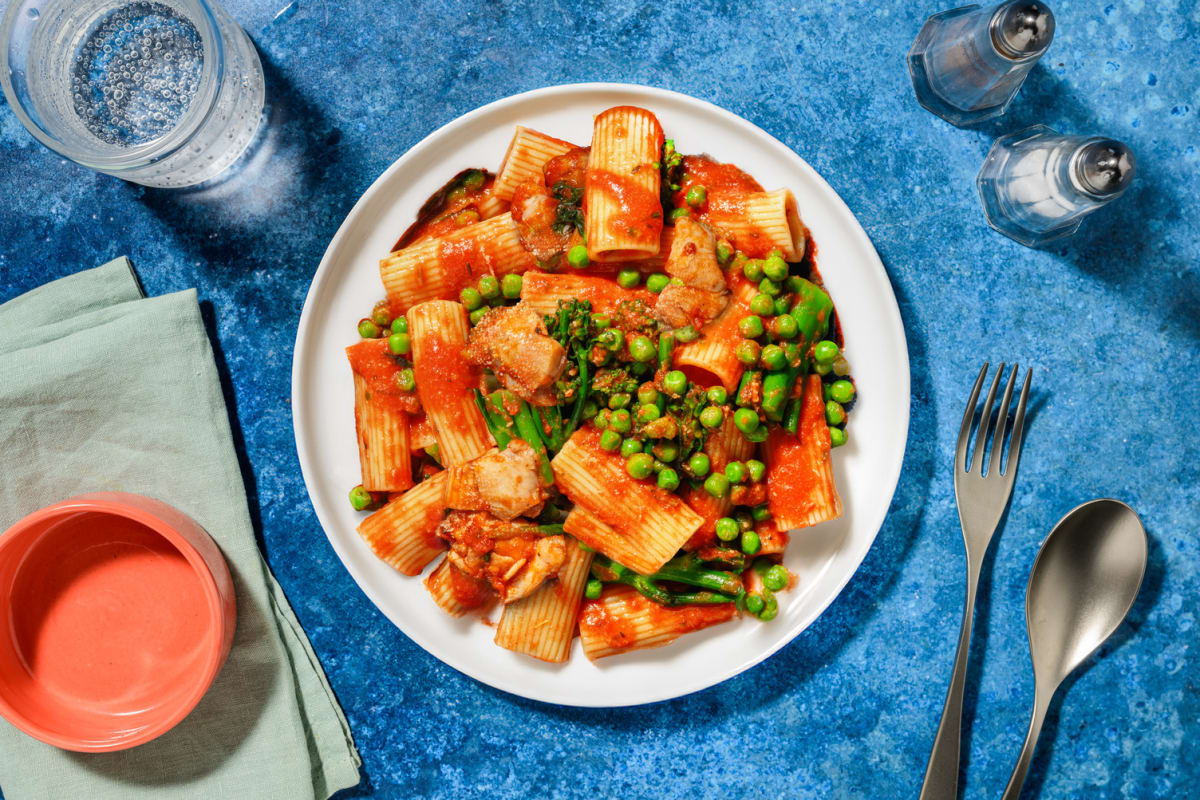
(795, 474)
(465, 261)
(639, 214)
(371, 359)
(443, 376)
(726, 186)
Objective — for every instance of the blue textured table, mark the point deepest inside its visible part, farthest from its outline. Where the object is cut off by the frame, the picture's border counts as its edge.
(1110, 321)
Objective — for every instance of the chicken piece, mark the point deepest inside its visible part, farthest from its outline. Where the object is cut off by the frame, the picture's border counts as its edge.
(535, 211)
(514, 344)
(680, 306)
(505, 483)
(512, 557)
(569, 168)
(693, 257)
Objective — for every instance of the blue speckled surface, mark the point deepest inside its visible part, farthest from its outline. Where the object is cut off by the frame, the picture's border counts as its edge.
(1110, 320)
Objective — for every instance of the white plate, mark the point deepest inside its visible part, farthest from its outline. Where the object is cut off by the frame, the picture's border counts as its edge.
(347, 285)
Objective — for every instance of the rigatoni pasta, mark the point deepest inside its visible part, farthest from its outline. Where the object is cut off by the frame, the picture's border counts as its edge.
(605, 385)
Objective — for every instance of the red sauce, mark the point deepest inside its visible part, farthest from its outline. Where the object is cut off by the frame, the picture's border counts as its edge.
(468, 592)
(727, 186)
(708, 507)
(616, 632)
(639, 215)
(794, 473)
(603, 293)
(429, 528)
(443, 376)
(464, 261)
(372, 360)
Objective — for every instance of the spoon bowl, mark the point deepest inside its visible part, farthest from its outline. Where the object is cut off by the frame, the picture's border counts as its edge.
(1084, 581)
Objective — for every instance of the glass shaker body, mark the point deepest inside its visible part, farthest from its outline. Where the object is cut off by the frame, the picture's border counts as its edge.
(967, 64)
(1036, 186)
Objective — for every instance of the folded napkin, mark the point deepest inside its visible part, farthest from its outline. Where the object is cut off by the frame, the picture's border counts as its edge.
(103, 389)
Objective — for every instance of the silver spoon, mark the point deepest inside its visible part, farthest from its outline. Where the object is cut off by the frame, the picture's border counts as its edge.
(1082, 585)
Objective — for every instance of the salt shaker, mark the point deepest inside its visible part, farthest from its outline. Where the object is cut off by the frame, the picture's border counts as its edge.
(1037, 185)
(968, 63)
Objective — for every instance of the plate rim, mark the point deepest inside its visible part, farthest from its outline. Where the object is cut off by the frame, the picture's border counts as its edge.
(324, 271)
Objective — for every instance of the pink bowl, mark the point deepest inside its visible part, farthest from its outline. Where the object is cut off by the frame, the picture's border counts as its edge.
(116, 614)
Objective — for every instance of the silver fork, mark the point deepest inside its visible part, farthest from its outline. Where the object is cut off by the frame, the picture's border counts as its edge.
(981, 499)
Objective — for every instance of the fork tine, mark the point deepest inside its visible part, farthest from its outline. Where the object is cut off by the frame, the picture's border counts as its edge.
(985, 422)
(1002, 423)
(964, 433)
(1018, 434)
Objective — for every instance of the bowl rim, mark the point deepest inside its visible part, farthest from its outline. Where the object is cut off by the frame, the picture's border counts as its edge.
(128, 506)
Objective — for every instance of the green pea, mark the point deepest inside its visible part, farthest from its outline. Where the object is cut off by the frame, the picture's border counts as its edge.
(675, 382)
(639, 465)
(668, 479)
(756, 469)
(842, 391)
(822, 369)
(510, 286)
(489, 287)
(610, 440)
(770, 610)
(620, 420)
(770, 287)
(755, 603)
(762, 305)
(600, 321)
(834, 413)
(736, 472)
(717, 395)
(748, 352)
(478, 314)
(772, 357)
(727, 529)
(712, 417)
(724, 252)
(716, 485)
(470, 298)
(696, 196)
(687, 333)
(784, 327)
(841, 367)
(657, 282)
(665, 451)
(381, 315)
(602, 418)
(360, 498)
(400, 344)
(760, 513)
(367, 329)
(405, 380)
(647, 394)
(753, 270)
(751, 327)
(474, 180)
(400, 325)
(611, 339)
(837, 437)
(775, 268)
(590, 409)
(629, 278)
(648, 413)
(594, 589)
(698, 465)
(631, 446)
(642, 349)
(750, 542)
(745, 420)
(776, 577)
(682, 211)
(577, 256)
(826, 352)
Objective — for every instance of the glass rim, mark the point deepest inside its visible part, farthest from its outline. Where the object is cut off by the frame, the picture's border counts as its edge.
(141, 155)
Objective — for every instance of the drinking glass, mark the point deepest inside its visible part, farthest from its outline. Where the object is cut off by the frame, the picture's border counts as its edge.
(157, 92)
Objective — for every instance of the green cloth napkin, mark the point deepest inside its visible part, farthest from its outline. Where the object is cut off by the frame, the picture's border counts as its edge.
(103, 389)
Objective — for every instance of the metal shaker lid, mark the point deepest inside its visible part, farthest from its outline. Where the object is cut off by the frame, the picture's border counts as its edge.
(1022, 30)
(1105, 167)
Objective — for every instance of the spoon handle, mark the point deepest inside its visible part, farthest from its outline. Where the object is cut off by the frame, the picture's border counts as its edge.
(941, 775)
(1017, 779)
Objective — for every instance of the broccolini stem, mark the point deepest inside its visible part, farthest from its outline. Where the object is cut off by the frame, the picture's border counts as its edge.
(610, 571)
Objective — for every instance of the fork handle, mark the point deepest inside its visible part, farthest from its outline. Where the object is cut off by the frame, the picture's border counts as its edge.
(941, 775)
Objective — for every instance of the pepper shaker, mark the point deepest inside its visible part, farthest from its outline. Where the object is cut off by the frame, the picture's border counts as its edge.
(1037, 185)
(968, 63)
